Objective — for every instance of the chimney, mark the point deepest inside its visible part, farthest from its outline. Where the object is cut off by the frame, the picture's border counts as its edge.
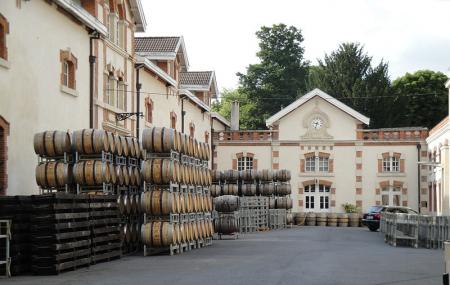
(235, 116)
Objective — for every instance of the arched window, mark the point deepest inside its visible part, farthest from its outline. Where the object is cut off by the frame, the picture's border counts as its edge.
(4, 30)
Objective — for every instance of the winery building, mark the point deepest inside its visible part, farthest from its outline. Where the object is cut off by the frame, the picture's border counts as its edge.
(332, 157)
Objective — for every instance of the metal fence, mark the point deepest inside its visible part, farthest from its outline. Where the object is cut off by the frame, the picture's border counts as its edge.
(415, 230)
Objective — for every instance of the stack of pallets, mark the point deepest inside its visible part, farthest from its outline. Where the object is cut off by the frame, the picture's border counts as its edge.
(17, 210)
(105, 228)
(60, 233)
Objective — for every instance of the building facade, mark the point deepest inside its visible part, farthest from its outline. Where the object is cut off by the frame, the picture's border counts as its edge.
(438, 165)
(332, 158)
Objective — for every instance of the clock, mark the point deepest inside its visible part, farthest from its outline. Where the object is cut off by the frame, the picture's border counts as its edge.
(316, 123)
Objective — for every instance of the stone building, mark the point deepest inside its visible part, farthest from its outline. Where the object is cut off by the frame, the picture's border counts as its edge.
(332, 157)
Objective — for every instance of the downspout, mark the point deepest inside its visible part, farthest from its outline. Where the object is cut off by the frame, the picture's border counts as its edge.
(211, 140)
(182, 113)
(418, 175)
(138, 100)
(95, 35)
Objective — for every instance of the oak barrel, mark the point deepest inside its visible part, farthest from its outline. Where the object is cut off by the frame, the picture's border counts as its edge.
(90, 141)
(158, 234)
(227, 224)
(160, 140)
(226, 203)
(160, 171)
(267, 189)
(248, 189)
(321, 219)
(52, 143)
(311, 219)
(215, 190)
(283, 189)
(92, 172)
(230, 189)
(342, 220)
(282, 175)
(332, 219)
(53, 174)
(158, 203)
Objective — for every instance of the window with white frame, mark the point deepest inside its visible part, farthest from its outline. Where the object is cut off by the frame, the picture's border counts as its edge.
(391, 196)
(391, 164)
(245, 163)
(324, 188)
(309, 202)
(121, 90)
(310, 164)
(323, 164)
(324, 202)
(310, 188)
(111, 89)
(66, 73)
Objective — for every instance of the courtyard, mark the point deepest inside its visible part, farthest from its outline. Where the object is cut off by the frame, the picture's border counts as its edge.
(301, 255)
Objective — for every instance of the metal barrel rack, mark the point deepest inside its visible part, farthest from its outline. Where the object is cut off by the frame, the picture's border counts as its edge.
(5, 235)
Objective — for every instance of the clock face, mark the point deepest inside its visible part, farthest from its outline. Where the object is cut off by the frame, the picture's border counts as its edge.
(316, 123)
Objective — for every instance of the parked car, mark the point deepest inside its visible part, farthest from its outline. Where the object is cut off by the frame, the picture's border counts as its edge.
(373, 216)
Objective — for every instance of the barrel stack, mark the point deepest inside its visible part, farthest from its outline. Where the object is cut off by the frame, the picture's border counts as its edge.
(176, 202)
(264, 195)
(227, 221)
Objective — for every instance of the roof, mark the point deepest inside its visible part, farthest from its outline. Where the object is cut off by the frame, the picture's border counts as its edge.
(82, 15)
(220, 118)
(317, 92)
(139, 16)
(162, 48)
(194, 99)
(199, 81)
(148, 64)
(442, 124)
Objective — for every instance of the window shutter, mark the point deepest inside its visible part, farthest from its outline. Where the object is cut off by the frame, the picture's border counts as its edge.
(234, 164)
(255, 164)
(330, 165)
(380, 165)
(402, 165)
(302, 165)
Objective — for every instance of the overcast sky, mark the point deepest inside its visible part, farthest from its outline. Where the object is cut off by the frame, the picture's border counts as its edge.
(220, 35)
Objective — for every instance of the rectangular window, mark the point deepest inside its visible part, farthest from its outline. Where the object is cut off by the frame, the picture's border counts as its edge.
(324, 202)
(323, 164)
(309, 202)
(65, 73)
(110, 90)
(391, 196)
(310, 188)
(385, 200)
(391, 164)
(324, 188)
(121, 95)
(310, 165)
(245, 163)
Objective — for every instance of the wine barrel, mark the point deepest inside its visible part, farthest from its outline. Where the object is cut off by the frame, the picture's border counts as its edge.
(282, 175)
(119, 174)
(190, 146)
(311, 219)
(194, 230)
(227, 224)
(353, 219)
(158, 203)
(177, 233)
(127, 198)
(131, 147)
(160, 140)
(272, 203)
(283, 203)
(121, 204)
(217, 175)
(289, 219)
(208, 151)
(52, 143)
(247, 175)
(132, 176)
(125, 148)
(137, 148)
(248, 189)
(342, 220)
(266, 175)
(158, 234)
(267, 189)
(90, 141)
(230, 175)
(53, 174)
(160, 171)
(182, 199)
(126, 233)
(183, 233)
(230, 189)
(195, 205)
(211, 227)
(118, 145)
(126, 175)
(300, 218)
(91, 172)
(113, 174)
(332, 219)
(215, 190)
(321, 219)
(137, 175)
(226, 203)
(112, 143)
(283, 189)
(208, 177)
(137, 203)
(133, 203)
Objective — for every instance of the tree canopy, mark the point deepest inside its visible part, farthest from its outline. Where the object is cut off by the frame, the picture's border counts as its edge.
(279, 77)
(421, 98)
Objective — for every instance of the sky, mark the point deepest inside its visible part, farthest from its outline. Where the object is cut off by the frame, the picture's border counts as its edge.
(220, 35)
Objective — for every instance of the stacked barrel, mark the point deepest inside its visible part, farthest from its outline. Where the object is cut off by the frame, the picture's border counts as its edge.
(227, 222)
(328, 219)
(55, 161)
(176, 201)
(259, 191)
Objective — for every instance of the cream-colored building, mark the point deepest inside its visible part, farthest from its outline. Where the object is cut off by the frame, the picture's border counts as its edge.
(438, 165)
(171, 95)
(44, 79)
(332, 158)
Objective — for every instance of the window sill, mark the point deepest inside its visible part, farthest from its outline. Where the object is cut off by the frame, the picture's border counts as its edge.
(391, 174)
(69, 91)
(316, 174)
(4, 63)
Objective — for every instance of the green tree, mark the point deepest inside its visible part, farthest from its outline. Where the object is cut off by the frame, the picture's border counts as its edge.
(279, 77)
(246, 107)
(347, 73)
(421, 98)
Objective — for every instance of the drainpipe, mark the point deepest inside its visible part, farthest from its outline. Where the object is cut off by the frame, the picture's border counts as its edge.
(138, 100)
(182, 113)
(95, 35)
(418, 175)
